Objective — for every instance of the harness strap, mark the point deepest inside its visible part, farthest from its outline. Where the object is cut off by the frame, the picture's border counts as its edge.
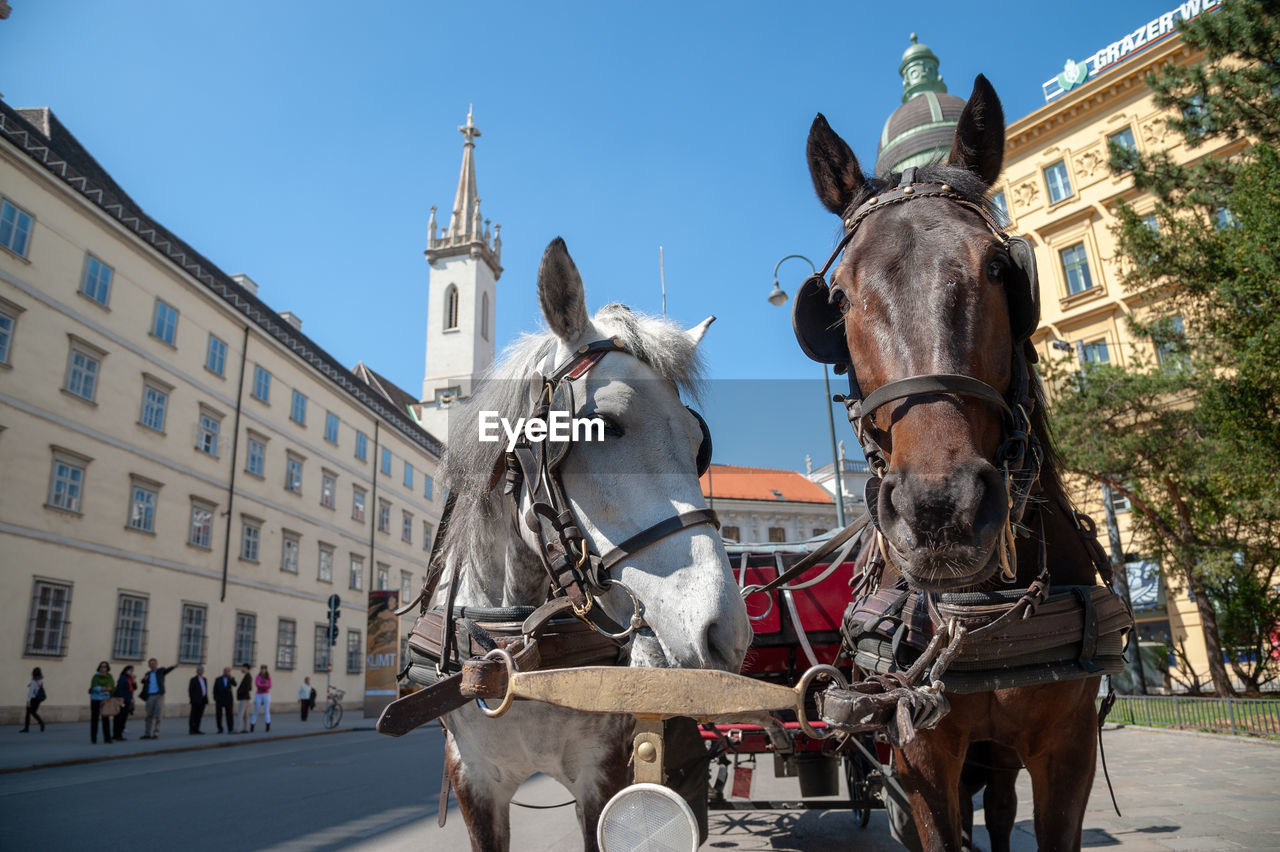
(937, 383)
(846, 536)
(656, 533)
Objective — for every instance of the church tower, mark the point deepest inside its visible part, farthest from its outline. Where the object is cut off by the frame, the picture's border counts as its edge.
(465, 262)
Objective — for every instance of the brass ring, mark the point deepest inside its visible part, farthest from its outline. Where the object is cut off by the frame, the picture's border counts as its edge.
(836, 677)
(500, 654)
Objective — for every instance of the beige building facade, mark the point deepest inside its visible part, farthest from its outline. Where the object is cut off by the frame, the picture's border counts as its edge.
(1058, 190)
(184, 474)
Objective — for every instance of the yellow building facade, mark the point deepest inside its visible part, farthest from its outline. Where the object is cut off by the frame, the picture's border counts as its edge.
(1058, 190)
(184, 474)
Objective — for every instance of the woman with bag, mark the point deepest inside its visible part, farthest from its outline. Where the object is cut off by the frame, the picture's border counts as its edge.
(100, 691)
(35, 695)
(124, 691)
(262, 698)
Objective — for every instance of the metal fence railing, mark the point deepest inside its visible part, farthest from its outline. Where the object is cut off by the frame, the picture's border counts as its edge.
(1256, 716)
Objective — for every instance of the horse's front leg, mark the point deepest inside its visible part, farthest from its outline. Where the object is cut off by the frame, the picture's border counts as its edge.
(1061, 759)
(929, 772)
(595, 769)
(484, 799)
(1000, 799)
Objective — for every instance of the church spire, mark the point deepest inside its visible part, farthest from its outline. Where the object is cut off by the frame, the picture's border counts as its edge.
(465, 229)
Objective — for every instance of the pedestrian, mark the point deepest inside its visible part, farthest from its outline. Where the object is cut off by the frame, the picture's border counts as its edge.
(223, 699)
(100, 689)
(35, 695)
(198, 695)
(304, 697)
(244, 694)
(153, 696)
(124, 691)
(262, 698)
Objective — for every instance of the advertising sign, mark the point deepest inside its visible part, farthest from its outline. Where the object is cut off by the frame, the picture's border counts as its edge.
(382, 652)
(1075, 73)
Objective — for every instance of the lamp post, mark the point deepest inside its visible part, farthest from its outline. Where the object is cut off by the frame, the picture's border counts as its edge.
(778, 298)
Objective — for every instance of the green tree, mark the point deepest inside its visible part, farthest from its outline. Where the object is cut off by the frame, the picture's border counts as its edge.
(1192, 438)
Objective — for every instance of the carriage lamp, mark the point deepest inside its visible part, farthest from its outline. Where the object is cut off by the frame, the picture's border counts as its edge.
(647, 817)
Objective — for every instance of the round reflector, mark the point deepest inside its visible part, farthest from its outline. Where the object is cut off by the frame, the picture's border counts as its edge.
(647, 818)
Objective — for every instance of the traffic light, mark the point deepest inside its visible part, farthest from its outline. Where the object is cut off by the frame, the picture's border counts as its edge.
(335, 611)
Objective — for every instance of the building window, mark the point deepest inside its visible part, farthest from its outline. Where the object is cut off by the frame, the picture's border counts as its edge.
(426, 536)
(730, 533)
(293, 474)
(261, 384)
(362, 446)
(331, 427)
(142, 505)
(207, 432)
(164, 325)
(428, 486)
(1224, 219)
(66, 481)
(328, 485)
(286, 643)
(357, 573)
(191, 636)
(382, 578)
(47, 624)
(131, 628)
(1095, 352)
(406, 587)
(1075, 266)
(250, 539)
(155, 403)
(289, 555)
(406, 527)
(201, 534)
(484, 316)
(246, 627)
(8, 323)
(450, 308)
(1001, 205)
(777, 534)
(1170, 342)
(1150, 222)
(83, 366)
(325, 571)
(357, 503)
(1196, 114)
(408, 475)
(97, 280)
(384, 516)
(322, 655)
(256, 461)
(386, 461)
(1055, 178)
(15, 228)
(298, 410)
(355, 652)
(1123, 140)
(215, 359)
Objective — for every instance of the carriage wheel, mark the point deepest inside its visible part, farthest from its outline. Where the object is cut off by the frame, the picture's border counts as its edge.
(855, 776)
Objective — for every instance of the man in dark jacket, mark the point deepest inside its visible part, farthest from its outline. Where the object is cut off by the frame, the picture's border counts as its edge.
(244, 695)
(153, 694)
(223, 700)
(198, 694)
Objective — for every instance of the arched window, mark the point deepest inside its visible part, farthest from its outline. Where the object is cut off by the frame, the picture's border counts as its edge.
(484, 316)
(451, 308)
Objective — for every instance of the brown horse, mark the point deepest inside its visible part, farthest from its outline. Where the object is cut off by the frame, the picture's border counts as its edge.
(930, 289)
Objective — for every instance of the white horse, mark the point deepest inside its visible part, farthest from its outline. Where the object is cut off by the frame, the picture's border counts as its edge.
(641, 473)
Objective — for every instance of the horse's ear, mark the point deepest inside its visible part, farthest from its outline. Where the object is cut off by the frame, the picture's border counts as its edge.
(979, 141)
(835, 171)
(699, 331)
(564, 304)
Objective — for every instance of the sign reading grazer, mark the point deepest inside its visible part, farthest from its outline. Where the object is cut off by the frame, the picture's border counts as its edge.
(560, 427)
(1075, 73)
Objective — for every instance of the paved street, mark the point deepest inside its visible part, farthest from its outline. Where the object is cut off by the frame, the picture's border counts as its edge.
(355, 789)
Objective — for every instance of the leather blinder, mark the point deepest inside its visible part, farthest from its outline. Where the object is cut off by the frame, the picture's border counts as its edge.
(818, 324)
(1023, 290)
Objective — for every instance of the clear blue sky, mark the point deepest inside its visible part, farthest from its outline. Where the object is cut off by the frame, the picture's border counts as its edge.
(303, 144)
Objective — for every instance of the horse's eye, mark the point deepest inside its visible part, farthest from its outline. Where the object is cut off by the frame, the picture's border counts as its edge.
(996, 268)
(612, 429)
(837, 298)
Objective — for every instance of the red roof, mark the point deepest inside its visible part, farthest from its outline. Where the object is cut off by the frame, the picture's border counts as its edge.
(730, 482)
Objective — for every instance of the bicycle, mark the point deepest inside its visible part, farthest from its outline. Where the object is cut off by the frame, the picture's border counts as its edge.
(333, 708)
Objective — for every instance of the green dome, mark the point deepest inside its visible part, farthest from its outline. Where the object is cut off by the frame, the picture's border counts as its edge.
(920, 131)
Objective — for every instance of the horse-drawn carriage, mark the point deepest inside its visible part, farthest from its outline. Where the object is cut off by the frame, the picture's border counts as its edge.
(588, 578)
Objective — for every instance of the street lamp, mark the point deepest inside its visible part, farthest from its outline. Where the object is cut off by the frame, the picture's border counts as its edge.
(778, 297)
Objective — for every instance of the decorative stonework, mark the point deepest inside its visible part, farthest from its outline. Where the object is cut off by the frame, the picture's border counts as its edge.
(1154, 132)
(1091, 164)
(1026, 194)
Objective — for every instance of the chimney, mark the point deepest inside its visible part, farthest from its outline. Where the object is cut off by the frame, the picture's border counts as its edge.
(292, 318)
(246, 282)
